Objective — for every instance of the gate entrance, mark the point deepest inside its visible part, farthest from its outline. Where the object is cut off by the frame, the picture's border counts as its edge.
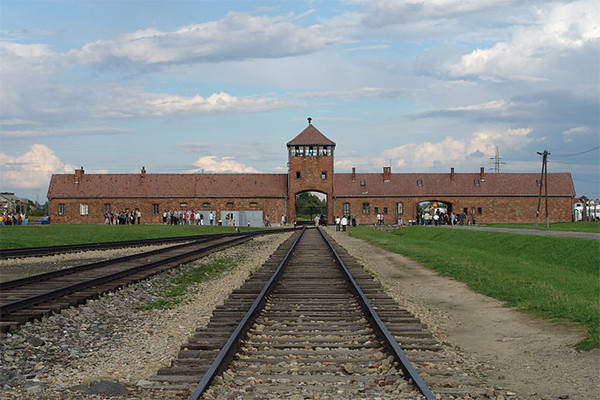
(434, 212)
(309, 205)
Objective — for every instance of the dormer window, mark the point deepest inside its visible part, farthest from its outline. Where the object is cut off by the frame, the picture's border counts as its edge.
(419, 182)
(363, 183)
(477, 182)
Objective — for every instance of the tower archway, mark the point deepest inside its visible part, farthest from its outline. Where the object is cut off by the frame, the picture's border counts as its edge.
(309, 205)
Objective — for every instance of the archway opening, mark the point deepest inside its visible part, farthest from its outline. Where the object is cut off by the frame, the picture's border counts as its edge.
(434, 212)
(309, 206)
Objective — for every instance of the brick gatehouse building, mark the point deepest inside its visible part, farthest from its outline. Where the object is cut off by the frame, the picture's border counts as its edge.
(249, 199)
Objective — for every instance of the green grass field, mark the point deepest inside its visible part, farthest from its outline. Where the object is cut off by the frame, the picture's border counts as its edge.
(587, 226)
(61, 234)
(556, 278)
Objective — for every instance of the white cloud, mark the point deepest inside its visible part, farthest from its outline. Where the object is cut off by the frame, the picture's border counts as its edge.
(238, 36)
(225, 164)
(569, 134)
(560, 30)
(32, 169)
(391, 12)
(481, 145)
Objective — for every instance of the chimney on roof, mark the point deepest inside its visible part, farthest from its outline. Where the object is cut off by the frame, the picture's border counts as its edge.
(481, 174)
(79, 174)
(143, 172)
(452, 173)
(387, 174)
(353, 174)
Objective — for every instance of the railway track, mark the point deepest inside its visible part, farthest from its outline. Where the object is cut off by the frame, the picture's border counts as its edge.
(299, 328)
(36, 296)
(71, 248)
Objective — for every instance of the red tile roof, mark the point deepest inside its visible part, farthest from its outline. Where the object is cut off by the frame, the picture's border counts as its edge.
(168, 185)
(310, 135)
(463, 184)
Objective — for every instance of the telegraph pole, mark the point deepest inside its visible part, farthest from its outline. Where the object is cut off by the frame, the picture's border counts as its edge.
(544, 184)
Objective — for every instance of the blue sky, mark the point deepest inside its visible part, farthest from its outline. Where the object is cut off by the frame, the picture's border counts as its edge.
(222, 86)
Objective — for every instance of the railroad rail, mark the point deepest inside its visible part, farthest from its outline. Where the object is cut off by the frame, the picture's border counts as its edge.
(71, 248)
(33, 297)
(310, 322)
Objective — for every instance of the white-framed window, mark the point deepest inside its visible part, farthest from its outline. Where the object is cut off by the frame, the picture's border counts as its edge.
(84, 209)
(366, 208)
(399, 208)
(346, 208)
(62, 209)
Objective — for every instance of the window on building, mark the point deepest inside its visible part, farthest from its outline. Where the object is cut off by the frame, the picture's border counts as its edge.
(538, 182)
(297, 174)
(230, 204)
(346, 208)
(419, 182)
(62, 209)
(205, 205)
(376, 210)
(297, 151)
(363, 183)
(312, 151)
(366, 209)
(477, 182)
(183, 204)
(399, 208)
(465, 210)
(84, 209)
(323, 175)
(106, 207)
(385, 210)
(253, 204)
(155, 209)
(479, 210)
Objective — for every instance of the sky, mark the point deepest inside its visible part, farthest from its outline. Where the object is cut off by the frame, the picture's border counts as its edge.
(222, 86)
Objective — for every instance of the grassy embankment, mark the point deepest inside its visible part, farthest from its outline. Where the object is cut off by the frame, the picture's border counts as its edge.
(62, 234)
(556, 278)
(587, 226)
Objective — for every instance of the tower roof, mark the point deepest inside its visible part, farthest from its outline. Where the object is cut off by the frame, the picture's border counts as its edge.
(310, 135)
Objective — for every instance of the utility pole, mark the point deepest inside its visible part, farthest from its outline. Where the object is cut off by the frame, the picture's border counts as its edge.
(544, 184)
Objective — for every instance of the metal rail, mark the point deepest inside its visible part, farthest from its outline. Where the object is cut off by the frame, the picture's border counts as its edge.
(8, 308)
(49, 250)
(382, 331)
(230, 347)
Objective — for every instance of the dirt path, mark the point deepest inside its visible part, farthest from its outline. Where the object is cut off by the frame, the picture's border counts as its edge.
(532, 357)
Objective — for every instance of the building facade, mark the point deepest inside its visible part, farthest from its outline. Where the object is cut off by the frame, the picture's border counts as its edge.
(250, 199)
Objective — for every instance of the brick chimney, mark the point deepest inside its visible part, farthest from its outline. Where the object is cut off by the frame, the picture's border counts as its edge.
(387, 174)
(481, 173)
(452, 173)
(79, 174)
(143, 172)
(353, 174)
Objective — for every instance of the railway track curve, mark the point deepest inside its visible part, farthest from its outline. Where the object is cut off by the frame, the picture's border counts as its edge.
(301, 327)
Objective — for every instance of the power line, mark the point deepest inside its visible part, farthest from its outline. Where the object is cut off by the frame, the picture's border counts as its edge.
(577, 154)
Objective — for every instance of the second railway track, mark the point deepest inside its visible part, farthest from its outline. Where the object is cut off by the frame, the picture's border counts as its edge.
(36, 296)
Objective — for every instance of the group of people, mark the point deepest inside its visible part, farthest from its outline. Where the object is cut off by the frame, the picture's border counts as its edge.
(14, 219)
(125, 217)
(187, 218)
(441, 218)
(341, 223)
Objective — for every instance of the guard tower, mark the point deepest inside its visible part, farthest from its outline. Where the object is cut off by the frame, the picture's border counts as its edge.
(310, 168)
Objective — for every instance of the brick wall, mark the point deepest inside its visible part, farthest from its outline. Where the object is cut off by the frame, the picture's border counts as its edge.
(487, 209)
(272, 207)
